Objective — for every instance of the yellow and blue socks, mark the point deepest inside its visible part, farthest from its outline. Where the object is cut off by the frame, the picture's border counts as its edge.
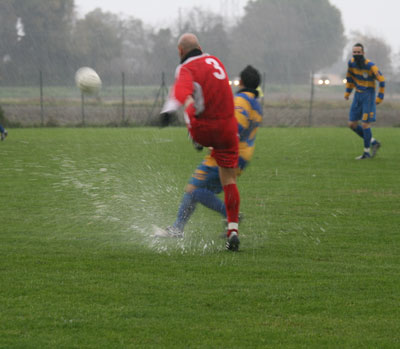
(359, 131)
(367, 140)
(186, 209)
(188, 205)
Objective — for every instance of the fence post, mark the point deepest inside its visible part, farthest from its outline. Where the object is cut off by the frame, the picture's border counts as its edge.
(310, 121)
(263, 91)
(163, 88)
(83, 107)
(163, 91)
(123, 98)
(41, 98)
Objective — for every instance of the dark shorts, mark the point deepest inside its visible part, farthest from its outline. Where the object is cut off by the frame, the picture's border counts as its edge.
(206, 177)
(363, 107)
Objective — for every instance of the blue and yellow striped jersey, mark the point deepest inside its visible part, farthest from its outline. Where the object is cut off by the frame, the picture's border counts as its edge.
(248, 114)
(364, 79)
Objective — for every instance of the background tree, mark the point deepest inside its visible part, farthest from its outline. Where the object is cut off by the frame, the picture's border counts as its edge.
(98, 41)
(45, 44)
(162, 56)
(288, 39)
(376, 49)
(211, 31)
(9, 38)
(135, 50)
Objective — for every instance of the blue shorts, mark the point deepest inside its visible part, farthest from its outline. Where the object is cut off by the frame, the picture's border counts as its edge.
(206, 177)
(363, 107)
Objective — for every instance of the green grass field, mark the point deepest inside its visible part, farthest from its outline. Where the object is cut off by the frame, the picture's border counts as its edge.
(319, 262)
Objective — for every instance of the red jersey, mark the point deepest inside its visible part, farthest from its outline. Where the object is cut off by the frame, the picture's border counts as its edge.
(202, 86)
(203, 78)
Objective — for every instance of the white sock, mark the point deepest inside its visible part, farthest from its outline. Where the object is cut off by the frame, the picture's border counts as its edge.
(233, 226)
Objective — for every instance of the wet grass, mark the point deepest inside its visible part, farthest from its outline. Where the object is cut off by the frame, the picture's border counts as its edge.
(319, 260)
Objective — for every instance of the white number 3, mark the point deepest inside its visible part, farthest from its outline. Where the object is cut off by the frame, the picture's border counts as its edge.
(220, 74)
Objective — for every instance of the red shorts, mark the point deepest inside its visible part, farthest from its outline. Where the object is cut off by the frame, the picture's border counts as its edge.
(221, 135)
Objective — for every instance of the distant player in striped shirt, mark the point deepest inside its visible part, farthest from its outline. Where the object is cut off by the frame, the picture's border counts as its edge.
(361, 75)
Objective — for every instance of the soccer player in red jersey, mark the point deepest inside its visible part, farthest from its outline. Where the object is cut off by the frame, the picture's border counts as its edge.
(202, 88)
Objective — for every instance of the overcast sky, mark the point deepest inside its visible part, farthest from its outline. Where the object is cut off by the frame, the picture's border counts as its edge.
(379, 18)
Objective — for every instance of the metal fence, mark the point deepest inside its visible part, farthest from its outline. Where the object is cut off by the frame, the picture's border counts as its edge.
(127, 104)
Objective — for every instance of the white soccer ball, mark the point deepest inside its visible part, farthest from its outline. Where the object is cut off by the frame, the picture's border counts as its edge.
(87, 80)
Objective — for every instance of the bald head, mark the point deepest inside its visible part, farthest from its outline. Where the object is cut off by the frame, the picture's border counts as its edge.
(186, 43)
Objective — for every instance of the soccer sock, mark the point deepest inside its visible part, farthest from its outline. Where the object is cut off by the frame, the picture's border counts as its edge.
(209, 199)
(367, 138)
(359, 131)
(186, 209)
(232, 202)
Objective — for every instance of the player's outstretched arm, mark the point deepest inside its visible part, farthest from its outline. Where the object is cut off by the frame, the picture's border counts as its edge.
(166, 118)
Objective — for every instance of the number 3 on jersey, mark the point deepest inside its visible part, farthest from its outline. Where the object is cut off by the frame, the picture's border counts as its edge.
(220, 74)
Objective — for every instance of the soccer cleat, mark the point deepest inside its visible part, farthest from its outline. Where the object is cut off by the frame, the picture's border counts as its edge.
(375, 148)
(364, 156)
(168, 232)
(232, 243)
(4, 135)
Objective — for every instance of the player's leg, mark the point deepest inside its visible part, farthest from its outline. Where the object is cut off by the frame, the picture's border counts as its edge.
(192, 196)
(188, 203)
(208, 199)
(357, 128)
(355, 115)
(367, 138)
(374, 143)
(368, 116)
(232, 203)
(185, 211)
(202, 187)
(206, 185)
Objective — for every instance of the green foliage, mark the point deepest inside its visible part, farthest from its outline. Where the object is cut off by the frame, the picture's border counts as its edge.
(376, 49)
(212, 32)
(319, 266)
(289, 39)
(98, 40)
(44, 43)
(285, 38)
(8, 31)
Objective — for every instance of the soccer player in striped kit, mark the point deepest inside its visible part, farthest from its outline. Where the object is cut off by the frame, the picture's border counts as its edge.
(205, 182)
(361, 75)
(202, 88)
